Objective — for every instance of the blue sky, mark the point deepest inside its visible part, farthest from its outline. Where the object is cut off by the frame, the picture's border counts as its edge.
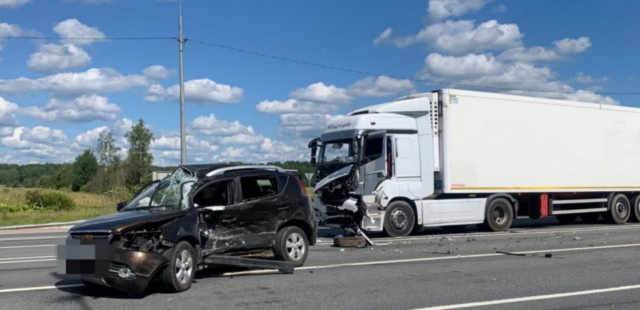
(58, 93)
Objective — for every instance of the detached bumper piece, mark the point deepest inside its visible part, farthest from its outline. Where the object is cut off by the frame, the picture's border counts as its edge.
(251, 263)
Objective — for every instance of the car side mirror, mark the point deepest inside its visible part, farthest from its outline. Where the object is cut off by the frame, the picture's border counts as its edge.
(121, 205)
(313, 145)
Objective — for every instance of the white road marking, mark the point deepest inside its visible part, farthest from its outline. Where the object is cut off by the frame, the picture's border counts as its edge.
(25, 258)
(33, 238)
(532, 298)
(38, 288)
(432, 258)
(27, 246)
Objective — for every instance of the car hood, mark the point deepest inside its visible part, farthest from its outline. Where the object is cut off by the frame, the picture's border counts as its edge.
(121, 221)
(345, 171)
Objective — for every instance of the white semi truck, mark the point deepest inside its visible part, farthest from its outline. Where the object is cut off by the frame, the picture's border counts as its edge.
(453, 157)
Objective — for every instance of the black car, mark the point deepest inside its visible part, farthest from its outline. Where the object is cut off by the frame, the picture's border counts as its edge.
(170, 227)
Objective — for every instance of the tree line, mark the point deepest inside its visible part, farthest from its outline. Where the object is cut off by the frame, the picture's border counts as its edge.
(101, 170)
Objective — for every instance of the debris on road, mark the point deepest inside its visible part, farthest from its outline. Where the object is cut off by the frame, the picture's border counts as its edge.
(511, 253)
(548, 255)
(351, 242)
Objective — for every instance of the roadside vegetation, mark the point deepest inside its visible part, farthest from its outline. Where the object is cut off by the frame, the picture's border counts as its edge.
(91, 185)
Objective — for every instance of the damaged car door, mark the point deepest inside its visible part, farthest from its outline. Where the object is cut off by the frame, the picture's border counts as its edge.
(262, 208)
(218, 213)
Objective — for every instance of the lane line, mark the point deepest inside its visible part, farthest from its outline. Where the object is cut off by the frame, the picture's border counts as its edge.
(532, 298)
(25, 258)
(27, 246)
(32, 238)
(28, 261)
(432, 258)
(38, 288)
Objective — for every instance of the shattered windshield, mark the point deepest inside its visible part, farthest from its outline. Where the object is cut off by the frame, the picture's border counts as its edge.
(340, 151)
(171, 192)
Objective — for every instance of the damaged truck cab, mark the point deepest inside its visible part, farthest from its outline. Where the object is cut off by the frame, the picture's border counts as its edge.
(173, 227)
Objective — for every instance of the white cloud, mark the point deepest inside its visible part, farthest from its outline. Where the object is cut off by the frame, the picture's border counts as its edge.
(12, 3)
(70, 84)
(122, 126)
(6, 131)
(380, 86)
(156, 72)
(72, 29)
(322, 93)
(461, 67)
(441, 9)
(500, 9)
(294, 106)
(82, 109)
(303, 125)
(383, 37)
(210, 125)
(11, 30)
(560, 51)
(587, 79)
(200, 91)
(37, 137)
(572, 46)
(56, 57)
(461, 37)
(89, 138)
(243, 138)
(8, 113)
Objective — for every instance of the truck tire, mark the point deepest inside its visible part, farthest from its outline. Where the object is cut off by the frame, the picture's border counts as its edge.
(181, 270)
(499, 215)
(590, 218)
(619, 209)
(399, 219)
(567, 218)
(292, 245)
(635, 215)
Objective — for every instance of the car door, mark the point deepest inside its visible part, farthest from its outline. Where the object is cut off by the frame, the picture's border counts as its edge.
(374, 161)
(261, 208)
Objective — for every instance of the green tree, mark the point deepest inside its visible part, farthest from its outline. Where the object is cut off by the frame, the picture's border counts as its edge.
(138, 164)
(107, 149)
(85, 166)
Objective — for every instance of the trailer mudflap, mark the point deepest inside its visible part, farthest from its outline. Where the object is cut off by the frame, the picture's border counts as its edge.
(252, 263)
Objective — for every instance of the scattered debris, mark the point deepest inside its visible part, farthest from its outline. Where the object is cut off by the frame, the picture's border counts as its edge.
(438, 252)
(576, 238)
(352, 242)
(510, 253)
(548, 255)
(341, 250)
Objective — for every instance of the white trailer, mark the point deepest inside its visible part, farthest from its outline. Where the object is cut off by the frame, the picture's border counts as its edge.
(455, 157)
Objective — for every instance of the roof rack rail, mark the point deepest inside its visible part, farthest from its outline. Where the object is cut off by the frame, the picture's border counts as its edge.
(249, 167)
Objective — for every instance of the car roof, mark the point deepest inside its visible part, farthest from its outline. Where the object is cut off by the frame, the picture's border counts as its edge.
(206, 170)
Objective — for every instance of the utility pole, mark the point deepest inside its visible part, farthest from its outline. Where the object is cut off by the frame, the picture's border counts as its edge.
(183, 139)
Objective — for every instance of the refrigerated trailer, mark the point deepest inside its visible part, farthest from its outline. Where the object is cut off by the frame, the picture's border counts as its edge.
(454, 157)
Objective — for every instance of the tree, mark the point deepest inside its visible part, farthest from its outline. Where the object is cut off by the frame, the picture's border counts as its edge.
(85, 166)
(107, 149)
(139, 158)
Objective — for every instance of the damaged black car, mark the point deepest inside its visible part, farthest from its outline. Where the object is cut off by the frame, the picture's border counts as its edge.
(175, 227)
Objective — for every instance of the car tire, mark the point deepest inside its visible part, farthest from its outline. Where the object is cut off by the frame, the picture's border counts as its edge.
(292, 245)
(619, 209)
(399, 219)
(181, 270)
(499, 215)
(567, 218)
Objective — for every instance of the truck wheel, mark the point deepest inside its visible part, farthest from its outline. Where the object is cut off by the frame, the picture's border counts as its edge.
(566, 218)
(179, 274)
(499, 215)
(619, 209)
(590, 218)
(399, 219)
(635, 215)
(292, 245)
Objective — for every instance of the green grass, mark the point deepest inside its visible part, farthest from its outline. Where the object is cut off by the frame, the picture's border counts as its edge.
(86, 206)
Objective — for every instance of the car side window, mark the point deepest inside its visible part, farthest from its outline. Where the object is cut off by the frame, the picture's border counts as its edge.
(258, 186)
(218, 193)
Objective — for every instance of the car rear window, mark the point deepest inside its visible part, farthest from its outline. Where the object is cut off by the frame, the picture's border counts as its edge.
(258, 186)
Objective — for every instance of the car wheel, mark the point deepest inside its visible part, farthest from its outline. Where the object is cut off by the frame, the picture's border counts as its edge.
(179, 274)
(619, 209)
(292, 245)
(499, 215)
(566, 218)
(399, 219)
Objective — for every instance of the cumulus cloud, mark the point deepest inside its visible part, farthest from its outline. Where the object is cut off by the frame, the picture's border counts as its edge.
(8, 113)
(383, 37)
(380, 86)
(24, 138)
(72, 29)
(303, 125)
(210, 125)
(561, 50)
(243, 138)
(58, 57)
(200, 91)
(294, 106)
(11, 4)
(572, 46)
(322, 93)
(587, 79)
(156, 72)
(70, 84)
(461, 37)
(89, 138)
(11, 30)
(441, 9)
(82, 109)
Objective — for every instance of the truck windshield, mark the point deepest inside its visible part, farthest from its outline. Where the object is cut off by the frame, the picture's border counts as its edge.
(171, 192)
(340, 151)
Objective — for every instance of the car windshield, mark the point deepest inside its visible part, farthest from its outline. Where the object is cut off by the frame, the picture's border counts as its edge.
(170, 193)
(340, 151)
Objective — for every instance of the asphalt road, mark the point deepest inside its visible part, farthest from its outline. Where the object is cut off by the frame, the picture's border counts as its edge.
(536, 265)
